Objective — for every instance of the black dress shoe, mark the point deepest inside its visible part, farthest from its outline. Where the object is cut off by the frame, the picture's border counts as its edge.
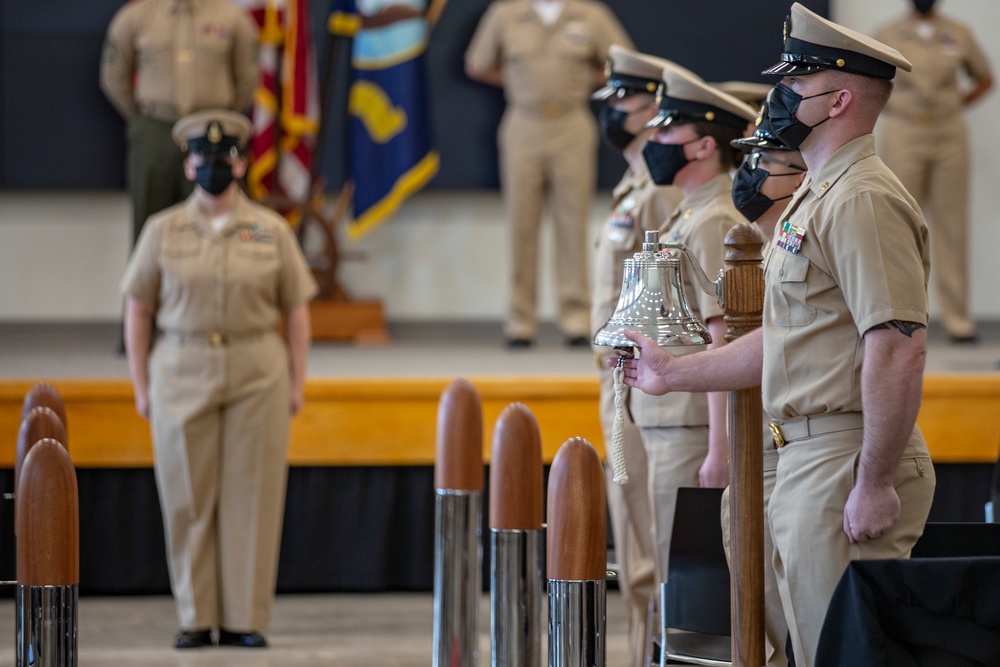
(969, 339)
(518, 343)
(193, 639)
(250, 639)
(578, 341)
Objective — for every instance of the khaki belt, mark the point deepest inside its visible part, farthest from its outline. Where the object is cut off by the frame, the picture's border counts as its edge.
(213, 338)
(790, 430)
(548, 109)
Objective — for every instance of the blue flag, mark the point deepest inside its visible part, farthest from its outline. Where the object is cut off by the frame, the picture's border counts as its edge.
(392, 153)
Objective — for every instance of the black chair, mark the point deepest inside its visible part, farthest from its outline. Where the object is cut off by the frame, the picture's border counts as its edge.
(694, 601)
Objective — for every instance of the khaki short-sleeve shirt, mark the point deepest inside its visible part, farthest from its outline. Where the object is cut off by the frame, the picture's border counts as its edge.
(141, 40)
(237, 280)
(862, 259)
(701, 222)
(932, 90)
(545, 66)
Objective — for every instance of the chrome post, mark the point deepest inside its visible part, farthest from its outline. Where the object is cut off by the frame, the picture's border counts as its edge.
(458, 557)
(577, 623)
(45, 626)
(516, 598)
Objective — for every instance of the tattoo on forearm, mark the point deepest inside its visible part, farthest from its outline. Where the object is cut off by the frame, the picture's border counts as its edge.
(905, 328)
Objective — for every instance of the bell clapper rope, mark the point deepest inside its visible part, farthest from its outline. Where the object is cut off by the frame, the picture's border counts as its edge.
(618, 428)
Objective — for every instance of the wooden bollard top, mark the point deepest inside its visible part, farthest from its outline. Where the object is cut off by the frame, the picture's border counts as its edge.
(516, 471)
(458, 463)
(577, 538)
(47, 518)
(40, 423)
(43, 393)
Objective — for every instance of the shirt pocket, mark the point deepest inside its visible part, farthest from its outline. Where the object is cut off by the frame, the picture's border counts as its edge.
(790, 308)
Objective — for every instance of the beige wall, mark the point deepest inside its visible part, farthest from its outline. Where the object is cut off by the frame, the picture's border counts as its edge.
(443, 257)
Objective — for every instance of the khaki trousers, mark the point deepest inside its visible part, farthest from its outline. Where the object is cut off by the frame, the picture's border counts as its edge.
(675, 455)
(631, 524)
(554, 156)
(220, 438)
(775, 627)
(806, 512)
(932, 162)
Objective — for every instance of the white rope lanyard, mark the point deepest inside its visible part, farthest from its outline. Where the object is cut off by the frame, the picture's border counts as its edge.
(618, 428)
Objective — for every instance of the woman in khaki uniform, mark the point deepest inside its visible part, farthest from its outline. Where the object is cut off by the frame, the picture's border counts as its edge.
(923, 140)
(213, 275)
(638, 205)
(549, 56)
(684, 434)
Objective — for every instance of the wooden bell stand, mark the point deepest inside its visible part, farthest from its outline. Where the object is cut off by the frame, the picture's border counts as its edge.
(744, 303)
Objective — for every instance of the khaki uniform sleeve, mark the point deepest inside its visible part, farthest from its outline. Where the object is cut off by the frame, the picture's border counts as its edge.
(296, 283)
(142, 274)
(879, 263)
(484, 52)
(246, 68)
(118, 62)
(706, 244)
(976, 64)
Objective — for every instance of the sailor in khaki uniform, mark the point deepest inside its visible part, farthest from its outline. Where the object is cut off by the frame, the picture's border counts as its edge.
(214, 275)
(762, 187)
(549, 56)
(637, 205)
(841, 351)
(684, 434)
(164, 59)
(923, 140)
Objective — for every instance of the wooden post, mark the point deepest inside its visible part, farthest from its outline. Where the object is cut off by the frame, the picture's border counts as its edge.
(577, 547)
(516, 577)
(39, 423)
(744, 303)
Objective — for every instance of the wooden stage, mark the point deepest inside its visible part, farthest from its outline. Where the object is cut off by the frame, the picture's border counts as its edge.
(391, 420)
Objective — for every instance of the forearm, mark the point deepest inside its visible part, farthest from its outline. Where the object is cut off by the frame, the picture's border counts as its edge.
(492, 77)
(138, 335)
(891, 388)
(297, 330)
(737, 365)
(981, 87)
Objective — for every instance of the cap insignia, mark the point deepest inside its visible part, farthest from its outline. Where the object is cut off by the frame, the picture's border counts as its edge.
(784, 29)
(607, 67)
(214, 133)
(760, 115)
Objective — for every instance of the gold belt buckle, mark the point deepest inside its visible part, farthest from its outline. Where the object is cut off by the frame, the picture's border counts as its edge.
(216, 338)
(779, 439)
(551, 110)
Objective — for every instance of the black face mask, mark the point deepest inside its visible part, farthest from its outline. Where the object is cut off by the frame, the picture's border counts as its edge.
(782, 104)
(923, 6)
(747, 197)
(214, 176)
(612, 124)
(664, 161)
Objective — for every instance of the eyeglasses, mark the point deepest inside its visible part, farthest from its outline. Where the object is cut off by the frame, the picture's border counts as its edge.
(754, 158)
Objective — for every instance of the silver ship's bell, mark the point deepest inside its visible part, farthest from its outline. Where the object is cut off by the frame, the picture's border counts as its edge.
(652, 299)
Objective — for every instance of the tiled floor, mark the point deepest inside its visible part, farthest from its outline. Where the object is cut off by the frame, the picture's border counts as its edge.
(372, 630)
